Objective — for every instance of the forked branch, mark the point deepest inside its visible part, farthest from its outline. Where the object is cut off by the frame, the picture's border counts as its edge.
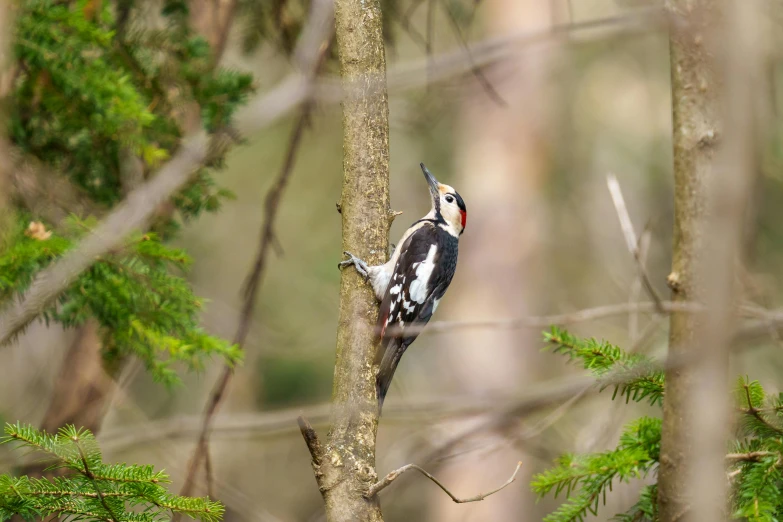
(391, 477)
(630, 239)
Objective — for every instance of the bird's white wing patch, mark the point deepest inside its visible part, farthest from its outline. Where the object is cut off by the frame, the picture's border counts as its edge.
(435, 304)
(418, 287)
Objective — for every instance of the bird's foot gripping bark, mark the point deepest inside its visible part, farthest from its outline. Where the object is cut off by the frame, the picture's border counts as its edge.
(357, 263)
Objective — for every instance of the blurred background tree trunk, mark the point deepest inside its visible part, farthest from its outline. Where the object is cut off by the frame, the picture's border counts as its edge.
(6, 82)
(500, 171)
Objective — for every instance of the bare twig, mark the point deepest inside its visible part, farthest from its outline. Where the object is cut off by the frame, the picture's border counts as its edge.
(557, 391)
(391, 477)
(477, 72)
(253, 281)
(622, 212)
(311, 440)
(630, 238)
(408, 75)
(751, 456)
(251, 287)
(636, 287)
(406, 16)
(429, 40)
(543, 321)
(139, 206)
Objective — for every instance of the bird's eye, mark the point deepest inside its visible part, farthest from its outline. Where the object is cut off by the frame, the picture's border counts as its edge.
(449, 199)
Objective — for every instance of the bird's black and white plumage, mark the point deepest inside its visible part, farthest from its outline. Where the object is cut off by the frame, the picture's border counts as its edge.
(412, 283)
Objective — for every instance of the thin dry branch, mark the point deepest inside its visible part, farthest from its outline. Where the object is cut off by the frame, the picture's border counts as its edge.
(431, 69)
(312, 52)
(637, 285)
(493, 94)
(391, 477)
(558, 391)
(544, 321)
(250, 292)
(630, 239)
(311, 440)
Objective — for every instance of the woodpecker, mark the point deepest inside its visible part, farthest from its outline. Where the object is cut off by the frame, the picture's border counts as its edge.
(412, 283)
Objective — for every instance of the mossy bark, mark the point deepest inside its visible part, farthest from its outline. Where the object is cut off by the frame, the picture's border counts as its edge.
(345, 467)
(694, 84)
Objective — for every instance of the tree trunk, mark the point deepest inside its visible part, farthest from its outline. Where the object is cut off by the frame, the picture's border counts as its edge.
(501, 165)
(694, 93)
(712, 64)
(345, 468)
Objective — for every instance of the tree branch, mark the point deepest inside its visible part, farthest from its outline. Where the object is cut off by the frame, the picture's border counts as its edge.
(751, 456)
(492, 93)
(630, 239)
(90, 475)
(312, 49)
(130, 215)
(349, 461)
(391, 477)
(136, 210)
(311, 439)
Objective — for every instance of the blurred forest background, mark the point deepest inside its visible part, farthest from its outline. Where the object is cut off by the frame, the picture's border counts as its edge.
(561, 93)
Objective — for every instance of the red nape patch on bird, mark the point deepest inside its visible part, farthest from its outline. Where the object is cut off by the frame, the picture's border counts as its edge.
(464, 217)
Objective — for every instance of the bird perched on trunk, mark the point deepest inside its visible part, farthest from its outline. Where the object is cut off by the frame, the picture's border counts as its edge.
(412, 283)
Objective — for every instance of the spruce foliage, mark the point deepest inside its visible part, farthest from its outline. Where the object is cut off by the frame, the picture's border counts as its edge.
(98, 83)
(600, 357)
(88, 488)
(143, 308)
(93, 82)
(755, 457)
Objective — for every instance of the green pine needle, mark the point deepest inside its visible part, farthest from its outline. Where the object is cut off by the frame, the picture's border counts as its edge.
(91, 489)
(601, 357)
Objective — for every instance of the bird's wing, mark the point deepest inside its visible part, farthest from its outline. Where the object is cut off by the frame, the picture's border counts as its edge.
(416, 285)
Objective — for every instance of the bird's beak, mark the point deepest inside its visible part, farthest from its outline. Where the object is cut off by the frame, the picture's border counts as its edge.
(431, 181)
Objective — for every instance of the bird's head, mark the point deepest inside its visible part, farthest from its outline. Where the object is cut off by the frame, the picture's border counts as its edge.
(447, 204)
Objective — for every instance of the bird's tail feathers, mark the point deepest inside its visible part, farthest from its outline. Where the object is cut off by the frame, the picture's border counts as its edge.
(389, 354)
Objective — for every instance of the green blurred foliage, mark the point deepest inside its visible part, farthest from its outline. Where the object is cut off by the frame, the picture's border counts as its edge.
(142, 307)
(92, 83)
(89, 488)
(586, 480)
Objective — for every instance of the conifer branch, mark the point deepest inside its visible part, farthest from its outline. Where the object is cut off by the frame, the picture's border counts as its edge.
(88, 473)
(601, 357)
(92, 490)
(756, 413)
(751, 456)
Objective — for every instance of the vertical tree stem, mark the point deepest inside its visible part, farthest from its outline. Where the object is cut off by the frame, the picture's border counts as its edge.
(714, 73)
(694, 106)
(347, 468)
